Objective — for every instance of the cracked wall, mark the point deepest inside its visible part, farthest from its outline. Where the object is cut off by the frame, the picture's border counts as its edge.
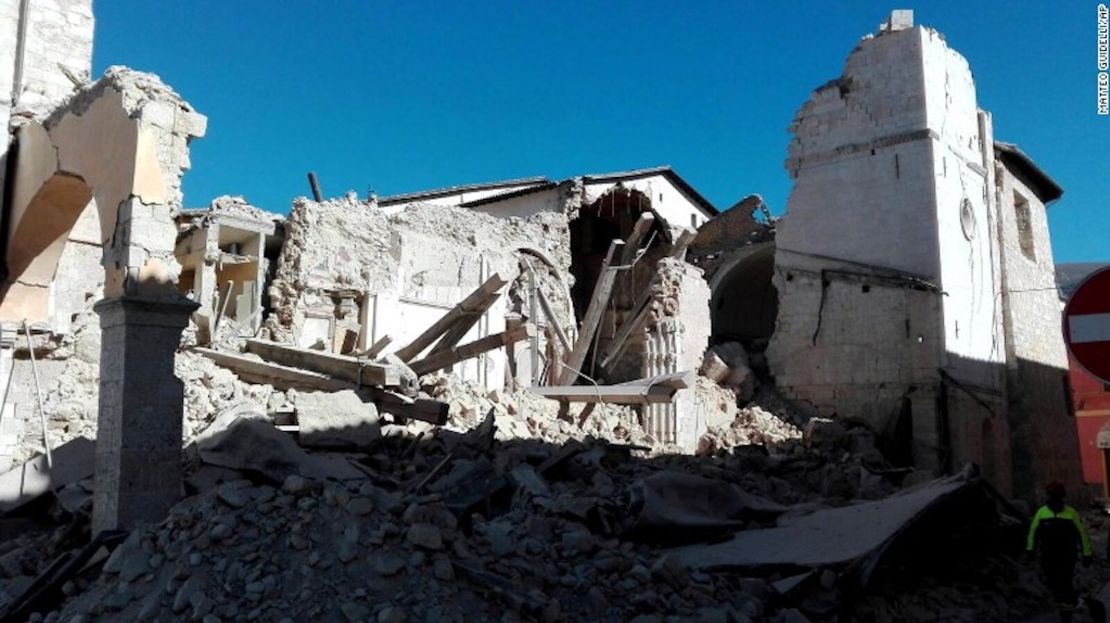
(887, 262)
(397, 272)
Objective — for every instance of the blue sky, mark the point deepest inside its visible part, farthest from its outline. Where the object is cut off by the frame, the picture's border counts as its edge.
(402, 96)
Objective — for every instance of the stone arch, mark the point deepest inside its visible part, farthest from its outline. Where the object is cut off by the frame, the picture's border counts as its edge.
(556, 271)
(121, 142)
(36, 246)
(611, 216)
(744, 302)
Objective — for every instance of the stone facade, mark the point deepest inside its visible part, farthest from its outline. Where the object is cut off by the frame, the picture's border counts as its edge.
(1045, 440)
(348, 264)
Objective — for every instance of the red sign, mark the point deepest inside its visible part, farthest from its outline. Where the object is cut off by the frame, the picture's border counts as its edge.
(1087, 324)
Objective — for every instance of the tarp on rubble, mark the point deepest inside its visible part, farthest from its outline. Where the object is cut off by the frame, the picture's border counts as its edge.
(858, 536)
(683, 507)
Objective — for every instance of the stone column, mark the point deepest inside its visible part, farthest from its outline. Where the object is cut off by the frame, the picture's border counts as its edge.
(138, 447)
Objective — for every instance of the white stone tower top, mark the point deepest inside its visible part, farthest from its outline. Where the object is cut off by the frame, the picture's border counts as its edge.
(900, 19)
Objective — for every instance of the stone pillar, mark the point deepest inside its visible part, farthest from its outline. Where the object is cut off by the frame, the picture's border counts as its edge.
(138, 447)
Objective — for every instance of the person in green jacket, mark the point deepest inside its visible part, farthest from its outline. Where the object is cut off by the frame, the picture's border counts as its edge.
(1059, 536)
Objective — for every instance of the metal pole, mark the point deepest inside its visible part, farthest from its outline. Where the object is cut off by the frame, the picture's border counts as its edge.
(534, 313)
(7, 386)
(38, 394)
(315, 184)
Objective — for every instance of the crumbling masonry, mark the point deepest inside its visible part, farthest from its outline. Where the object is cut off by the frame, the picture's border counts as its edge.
(926, 318)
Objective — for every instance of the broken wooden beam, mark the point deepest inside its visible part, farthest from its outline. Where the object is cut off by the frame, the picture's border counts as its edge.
(683, 242)
(639, 230)
(423, 409)
(620, 340)
(343, 367)
(602, 290)
(643, 305)
(465, 324)
(376, 348)
(282, 377)
(467, 306)
(447, 358)
(553, 321)
(613, 394)
(253, 370)
(675, 380)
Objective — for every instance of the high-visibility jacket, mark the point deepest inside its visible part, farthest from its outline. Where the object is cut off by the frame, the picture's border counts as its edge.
(1058, 533)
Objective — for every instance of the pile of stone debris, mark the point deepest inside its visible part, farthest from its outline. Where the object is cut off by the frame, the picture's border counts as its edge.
(501, 514)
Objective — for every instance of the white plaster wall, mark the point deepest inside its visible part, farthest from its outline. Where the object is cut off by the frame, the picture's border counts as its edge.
(456, 198)
(967, 273)
(666, 199)
(523, 206)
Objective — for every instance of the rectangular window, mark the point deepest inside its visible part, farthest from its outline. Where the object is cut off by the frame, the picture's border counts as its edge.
(1024, 226)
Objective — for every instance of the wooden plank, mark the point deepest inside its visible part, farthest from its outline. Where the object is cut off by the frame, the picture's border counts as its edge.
(423, 409)
(447, 358)
(685, 239)
(463, 326)
(432, 333)
(282, 377)
(376, 348)
(602, 290)
(344, 367)
(613, 394)
(553, 321)
(675, 380)
(617, 344)
(639, 230)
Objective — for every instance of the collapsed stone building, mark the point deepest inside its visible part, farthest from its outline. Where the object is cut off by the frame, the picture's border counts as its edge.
(929, 319)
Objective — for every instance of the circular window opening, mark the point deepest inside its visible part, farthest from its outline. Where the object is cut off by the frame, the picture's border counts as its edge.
(967, 218)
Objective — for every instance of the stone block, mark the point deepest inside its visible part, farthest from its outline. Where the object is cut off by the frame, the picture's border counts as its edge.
(339, 420)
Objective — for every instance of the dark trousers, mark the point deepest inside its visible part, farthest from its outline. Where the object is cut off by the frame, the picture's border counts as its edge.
(1059, 576)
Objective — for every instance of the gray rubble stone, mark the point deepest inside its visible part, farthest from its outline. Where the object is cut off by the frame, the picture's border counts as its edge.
(336, 420)
(425, 535)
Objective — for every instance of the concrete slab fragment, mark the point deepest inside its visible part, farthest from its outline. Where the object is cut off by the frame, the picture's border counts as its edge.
(336, 420)
(73, 461)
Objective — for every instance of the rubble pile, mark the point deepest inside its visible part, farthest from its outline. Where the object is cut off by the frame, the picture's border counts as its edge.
(751, 426)
(459, 525)
(521, 414)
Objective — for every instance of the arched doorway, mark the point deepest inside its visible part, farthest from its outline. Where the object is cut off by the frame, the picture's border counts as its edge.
(122, 141)
(612, 216)
(36, 245)
(745, 303)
